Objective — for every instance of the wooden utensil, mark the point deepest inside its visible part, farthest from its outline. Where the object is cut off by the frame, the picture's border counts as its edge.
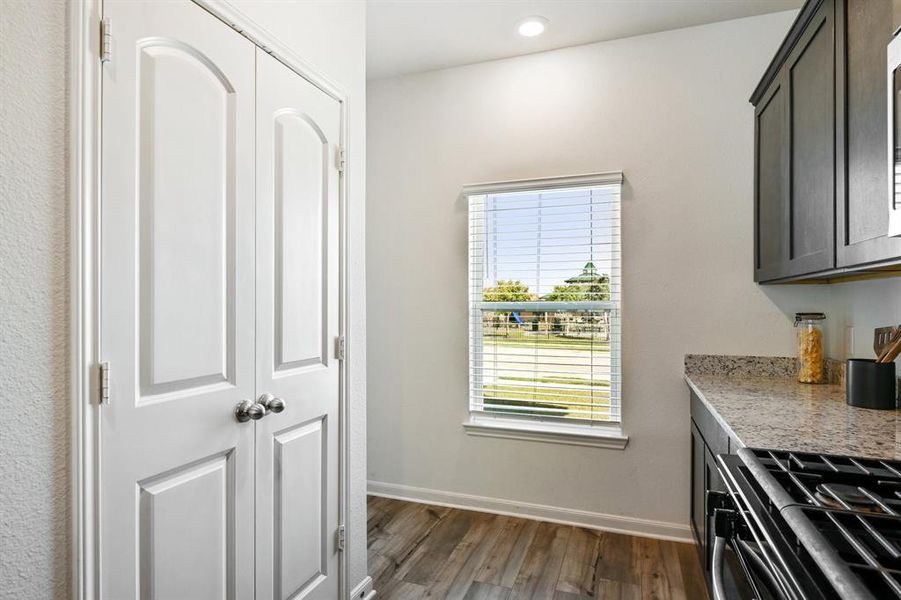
(891, 353)
(883, 338)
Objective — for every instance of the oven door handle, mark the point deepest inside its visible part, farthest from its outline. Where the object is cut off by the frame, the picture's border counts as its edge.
(716, 568)
(718, 564)
(723, 530)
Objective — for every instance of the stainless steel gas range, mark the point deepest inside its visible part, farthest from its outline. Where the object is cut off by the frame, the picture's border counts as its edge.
(796, 525)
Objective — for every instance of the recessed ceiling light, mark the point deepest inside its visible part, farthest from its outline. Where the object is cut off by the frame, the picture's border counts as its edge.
(532, 26)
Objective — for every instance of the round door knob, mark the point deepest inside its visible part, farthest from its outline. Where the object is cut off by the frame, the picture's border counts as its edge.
(272, 403)
(247, 411)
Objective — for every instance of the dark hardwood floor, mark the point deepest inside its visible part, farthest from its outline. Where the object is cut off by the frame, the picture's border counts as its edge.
(420, 551)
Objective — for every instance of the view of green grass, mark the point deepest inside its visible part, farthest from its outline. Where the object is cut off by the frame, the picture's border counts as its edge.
(574, 398)
(571, 344)
(585, 398)
(523, 399)
(543, 340)
(561, 380)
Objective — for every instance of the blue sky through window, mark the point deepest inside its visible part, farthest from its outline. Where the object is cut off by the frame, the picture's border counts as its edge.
(542, 239)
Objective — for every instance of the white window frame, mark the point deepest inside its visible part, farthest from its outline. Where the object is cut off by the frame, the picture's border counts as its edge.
(532, 428)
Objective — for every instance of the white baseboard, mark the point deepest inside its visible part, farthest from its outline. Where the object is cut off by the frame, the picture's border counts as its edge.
(662, 530)
(363, 590)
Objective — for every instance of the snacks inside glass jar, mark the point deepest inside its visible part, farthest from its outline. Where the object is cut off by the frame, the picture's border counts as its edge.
(811, 357)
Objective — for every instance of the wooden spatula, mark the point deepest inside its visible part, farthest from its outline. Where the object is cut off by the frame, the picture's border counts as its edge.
(883, 338)
(890, 353)
(892, 350)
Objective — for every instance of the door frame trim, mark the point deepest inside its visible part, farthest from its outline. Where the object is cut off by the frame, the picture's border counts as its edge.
(84, 116)
(84, 204)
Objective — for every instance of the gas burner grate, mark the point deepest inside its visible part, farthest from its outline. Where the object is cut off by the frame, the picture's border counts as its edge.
(826, 464)
(845, 513)
(836, 482)
(870, 544)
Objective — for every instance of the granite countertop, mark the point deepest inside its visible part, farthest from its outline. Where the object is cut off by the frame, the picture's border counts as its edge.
(777, 412)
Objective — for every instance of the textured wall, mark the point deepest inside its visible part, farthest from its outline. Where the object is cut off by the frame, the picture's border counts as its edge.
(34, 325)
(669, 109)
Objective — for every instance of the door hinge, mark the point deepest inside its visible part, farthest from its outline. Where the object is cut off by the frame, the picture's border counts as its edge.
(340, 159)
(104, 383)
(106, 40)
(340, 538)
(340, 349)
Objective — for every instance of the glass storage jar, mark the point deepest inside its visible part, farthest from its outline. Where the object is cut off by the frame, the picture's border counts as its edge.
(811, 357)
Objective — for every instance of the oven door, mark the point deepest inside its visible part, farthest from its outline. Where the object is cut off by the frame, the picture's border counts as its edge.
(751, 557)
(740, 568)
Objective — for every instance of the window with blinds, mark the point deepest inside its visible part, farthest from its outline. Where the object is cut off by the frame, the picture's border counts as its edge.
(544, 298)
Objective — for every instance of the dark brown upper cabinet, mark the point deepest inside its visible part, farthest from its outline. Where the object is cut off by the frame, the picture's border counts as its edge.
(863, 31)
(821, 172)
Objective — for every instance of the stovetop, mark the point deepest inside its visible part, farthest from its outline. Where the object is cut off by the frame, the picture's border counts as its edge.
(836, 481)
(845, 514)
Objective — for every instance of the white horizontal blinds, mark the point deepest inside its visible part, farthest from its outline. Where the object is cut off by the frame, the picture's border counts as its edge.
(545, 286)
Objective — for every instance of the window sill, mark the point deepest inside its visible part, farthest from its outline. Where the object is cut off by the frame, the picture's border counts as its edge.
(610, 436)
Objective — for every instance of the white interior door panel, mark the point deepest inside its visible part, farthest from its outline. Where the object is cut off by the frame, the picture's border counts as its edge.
(298, 136)
(177, 305)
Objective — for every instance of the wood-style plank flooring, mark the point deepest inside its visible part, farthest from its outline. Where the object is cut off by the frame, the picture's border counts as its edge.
(419, 551)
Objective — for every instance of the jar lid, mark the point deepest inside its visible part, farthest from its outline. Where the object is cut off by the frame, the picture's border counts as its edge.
(809, 316)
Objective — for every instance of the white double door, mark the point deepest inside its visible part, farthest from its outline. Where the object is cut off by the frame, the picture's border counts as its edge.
(219, 283)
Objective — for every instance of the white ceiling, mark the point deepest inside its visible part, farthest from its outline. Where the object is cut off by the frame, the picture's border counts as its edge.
(409, 36)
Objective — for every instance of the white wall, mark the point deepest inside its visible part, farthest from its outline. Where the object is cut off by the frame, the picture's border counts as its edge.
(34, 325)
(863, 306)
(671, 110)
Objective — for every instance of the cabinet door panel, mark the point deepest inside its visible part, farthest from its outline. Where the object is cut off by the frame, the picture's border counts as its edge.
(771, 184)
(698, 520)
(861, 207)
(810, 73)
